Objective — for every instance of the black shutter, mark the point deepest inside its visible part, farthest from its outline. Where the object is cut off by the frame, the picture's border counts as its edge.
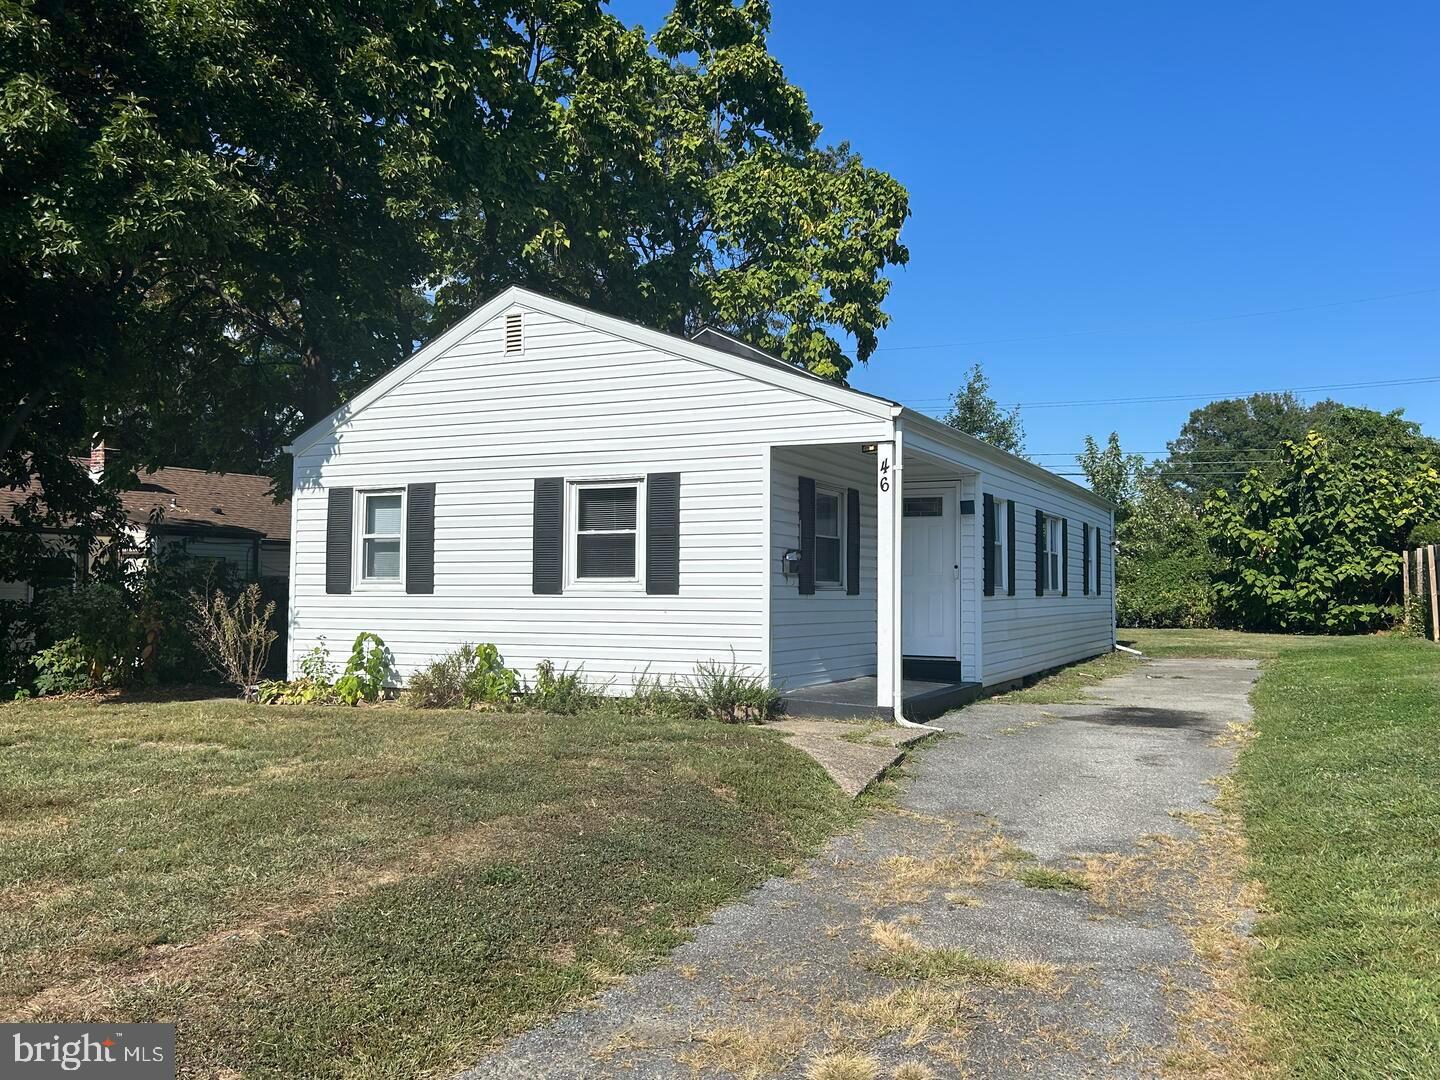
(1064, 556)
(1085, 555)
(420, 538)
(339, 529)
(807, 536)
(1010, 546)
(1039, 553)
(852, 542)
(547, 560)
(662, 534)
(989, 530)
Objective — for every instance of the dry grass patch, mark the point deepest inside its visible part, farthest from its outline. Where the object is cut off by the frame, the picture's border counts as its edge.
(913, 1070)
(901, 956)
(748, 1051)
(917, 1012)
(1200, 883)
(843, 1065)
(913, 879)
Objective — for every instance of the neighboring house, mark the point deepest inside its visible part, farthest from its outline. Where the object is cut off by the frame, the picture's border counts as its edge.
(573, 487)
(227, 517)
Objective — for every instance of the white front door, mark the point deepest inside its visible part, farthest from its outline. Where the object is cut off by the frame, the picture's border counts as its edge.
(929, 558)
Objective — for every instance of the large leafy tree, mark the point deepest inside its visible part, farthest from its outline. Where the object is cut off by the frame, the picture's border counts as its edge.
(220, 220)
(1111, 472)
(1316, 546)
(975, 411)
(1221, 442)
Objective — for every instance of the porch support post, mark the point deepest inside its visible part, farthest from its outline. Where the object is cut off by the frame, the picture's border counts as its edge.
(889, 681)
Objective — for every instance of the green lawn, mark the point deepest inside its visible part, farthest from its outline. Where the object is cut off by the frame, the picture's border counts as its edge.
(1341, 799)
(374, 892)
(1340, 795)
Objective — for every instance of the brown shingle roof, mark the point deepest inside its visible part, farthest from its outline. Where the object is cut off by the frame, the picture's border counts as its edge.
(193, 497)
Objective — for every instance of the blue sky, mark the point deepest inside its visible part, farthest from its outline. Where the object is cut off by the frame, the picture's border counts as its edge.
(1098, 188)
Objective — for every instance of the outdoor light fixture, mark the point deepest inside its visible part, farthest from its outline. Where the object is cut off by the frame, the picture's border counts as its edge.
(869, 447)
(790, 563)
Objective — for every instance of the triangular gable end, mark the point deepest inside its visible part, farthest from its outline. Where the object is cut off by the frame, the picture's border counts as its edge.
(515, 296)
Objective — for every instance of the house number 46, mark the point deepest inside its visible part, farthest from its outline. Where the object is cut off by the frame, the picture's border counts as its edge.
(885, 474)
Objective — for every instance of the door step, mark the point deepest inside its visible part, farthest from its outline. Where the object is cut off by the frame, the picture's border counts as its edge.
(931, 669)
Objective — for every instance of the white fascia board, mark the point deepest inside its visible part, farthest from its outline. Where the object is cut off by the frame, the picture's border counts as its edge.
(800, 381)
(979, 451)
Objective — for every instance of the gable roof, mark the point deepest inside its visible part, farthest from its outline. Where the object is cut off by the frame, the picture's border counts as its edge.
(231, 502)
(709, 346)
(772, 371)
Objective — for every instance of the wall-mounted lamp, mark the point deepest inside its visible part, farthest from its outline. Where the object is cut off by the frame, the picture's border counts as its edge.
(790, 563)
(869, 447)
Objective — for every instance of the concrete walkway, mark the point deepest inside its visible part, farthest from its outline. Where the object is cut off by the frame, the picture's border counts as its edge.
(928, 939)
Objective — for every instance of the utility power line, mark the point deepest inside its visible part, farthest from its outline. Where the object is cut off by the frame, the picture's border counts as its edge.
(1150, 326)
(1153, 399)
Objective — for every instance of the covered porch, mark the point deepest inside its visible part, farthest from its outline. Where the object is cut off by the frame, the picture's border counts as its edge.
(903, 639)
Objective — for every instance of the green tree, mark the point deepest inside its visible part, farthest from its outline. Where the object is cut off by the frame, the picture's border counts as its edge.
(1111, 472)
(219, 222)
(1316, 547)
(1221, 442)
(1163, 561)
(974, 411)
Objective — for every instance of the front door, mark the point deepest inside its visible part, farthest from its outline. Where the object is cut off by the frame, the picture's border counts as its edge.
(930, 543)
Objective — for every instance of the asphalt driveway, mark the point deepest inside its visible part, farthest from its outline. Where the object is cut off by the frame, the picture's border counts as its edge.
(1050, 895)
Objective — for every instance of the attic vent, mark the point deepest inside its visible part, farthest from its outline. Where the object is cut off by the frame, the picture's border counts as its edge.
(515, 332)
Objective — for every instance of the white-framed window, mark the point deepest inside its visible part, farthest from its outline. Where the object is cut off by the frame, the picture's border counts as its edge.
(380, 554)
(607, 533)
(829, 537)
(1054, 553)
(1000, 544)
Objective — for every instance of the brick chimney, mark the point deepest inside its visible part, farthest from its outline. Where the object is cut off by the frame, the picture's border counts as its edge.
(97, 457)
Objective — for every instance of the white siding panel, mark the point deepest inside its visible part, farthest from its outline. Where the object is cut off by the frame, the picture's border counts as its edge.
(1025, 633)
(577, 403)
(828, 636)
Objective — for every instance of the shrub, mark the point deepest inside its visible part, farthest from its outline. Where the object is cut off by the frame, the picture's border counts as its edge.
(1424, 534)
(98, 616)
(470, 676)
(62, 668)
(727, 692)
(234, 636)
(562, 691)
(364, 674)
(160, 595)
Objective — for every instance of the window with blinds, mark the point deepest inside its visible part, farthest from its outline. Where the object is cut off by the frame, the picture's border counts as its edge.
(828, 538)
(606, 531)
(381, 525)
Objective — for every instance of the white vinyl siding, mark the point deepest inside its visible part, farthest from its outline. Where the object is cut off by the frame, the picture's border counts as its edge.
(829, 635)
(1025, 633)
(587, 405)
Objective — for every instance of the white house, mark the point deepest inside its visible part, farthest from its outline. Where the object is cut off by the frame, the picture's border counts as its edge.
(572, 487)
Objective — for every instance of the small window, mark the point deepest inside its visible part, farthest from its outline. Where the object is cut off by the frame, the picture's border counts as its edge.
(515, 332)
(606, 532)
(1054, 545)
(924, 506)
(828, 545)
(381, 517)
(1000, 545)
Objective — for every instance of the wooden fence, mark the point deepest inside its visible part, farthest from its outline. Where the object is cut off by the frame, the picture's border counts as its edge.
(1422, 598)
